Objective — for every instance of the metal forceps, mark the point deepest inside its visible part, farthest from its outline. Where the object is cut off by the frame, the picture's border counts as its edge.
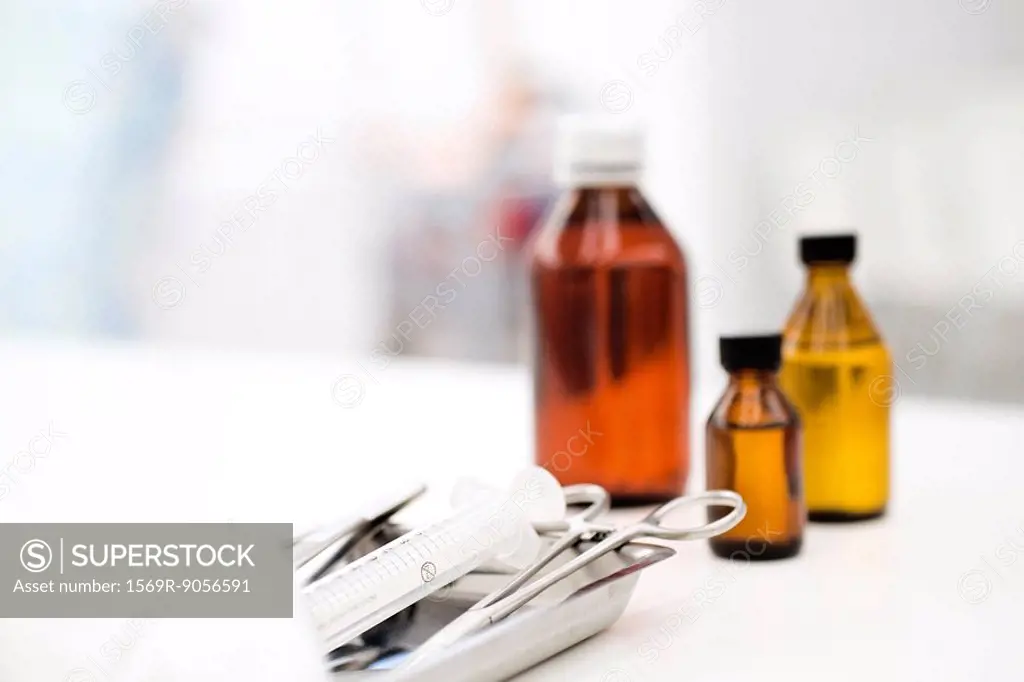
(597, 502)
(652, 526)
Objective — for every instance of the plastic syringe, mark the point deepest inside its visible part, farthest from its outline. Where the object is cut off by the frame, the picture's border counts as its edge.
(386, 581)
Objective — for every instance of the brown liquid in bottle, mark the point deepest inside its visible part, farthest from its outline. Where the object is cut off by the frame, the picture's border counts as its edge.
(754, 447)
(611, 364)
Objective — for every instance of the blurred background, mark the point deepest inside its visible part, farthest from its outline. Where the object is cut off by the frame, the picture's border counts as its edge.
(249, 174)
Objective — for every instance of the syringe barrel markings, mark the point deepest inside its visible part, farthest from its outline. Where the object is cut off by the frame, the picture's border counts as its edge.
(453, 547)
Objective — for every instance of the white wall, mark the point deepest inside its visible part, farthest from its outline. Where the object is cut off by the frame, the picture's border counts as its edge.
(744, 99)
(311, 272)
(941, 93)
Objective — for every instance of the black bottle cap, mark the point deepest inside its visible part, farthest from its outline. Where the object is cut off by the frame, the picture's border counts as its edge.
(836, 248)
(751, 352)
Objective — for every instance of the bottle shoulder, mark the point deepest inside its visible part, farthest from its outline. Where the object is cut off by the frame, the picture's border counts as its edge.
(832, 317)
(605, 227)
(753, 407)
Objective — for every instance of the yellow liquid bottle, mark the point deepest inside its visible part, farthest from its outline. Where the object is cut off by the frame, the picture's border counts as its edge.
(833, 361)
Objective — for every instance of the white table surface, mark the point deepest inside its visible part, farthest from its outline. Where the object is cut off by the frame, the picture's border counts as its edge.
(935, 591)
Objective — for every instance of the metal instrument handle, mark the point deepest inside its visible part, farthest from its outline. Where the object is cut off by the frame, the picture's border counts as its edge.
(653, 524)
(650, 526)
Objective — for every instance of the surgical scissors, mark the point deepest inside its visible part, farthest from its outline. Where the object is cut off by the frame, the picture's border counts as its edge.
(652, 526)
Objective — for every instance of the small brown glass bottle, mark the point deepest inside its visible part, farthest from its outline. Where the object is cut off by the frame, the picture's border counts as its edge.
(754, 448)
(611, 363)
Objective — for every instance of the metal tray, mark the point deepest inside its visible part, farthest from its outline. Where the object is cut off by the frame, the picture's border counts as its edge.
(575, 609)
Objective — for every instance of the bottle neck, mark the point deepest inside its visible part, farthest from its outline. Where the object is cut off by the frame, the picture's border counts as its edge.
(581, 177)
(828, 275)
(609, 208)
(621, 194)
(753, 378)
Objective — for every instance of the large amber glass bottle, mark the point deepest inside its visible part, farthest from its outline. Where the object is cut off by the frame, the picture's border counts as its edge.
(833, 362)
(611, 363)
(753, 446)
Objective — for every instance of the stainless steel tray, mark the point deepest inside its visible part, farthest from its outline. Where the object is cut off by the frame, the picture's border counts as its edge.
(573, 610)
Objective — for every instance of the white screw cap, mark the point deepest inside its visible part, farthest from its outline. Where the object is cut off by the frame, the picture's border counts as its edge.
(601, 150)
